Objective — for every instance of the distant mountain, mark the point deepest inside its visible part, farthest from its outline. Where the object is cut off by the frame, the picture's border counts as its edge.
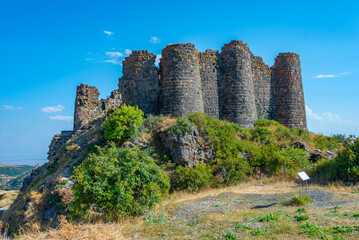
(13, 170)
(12, 176)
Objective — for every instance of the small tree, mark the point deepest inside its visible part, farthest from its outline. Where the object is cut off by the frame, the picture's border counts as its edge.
(118, 182)
(123, 123)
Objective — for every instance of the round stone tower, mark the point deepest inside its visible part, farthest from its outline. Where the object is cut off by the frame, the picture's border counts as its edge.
(237, 84)
(139, 83)
(289, 97)
(180, 81)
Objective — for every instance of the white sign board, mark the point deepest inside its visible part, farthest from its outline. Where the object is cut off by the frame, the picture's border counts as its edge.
(303, 176)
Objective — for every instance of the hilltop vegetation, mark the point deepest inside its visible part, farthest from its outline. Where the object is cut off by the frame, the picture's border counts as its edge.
(13, 170)
(125, 164)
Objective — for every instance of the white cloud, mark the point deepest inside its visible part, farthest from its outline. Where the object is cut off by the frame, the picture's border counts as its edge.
(62, 118)
(8, 107)
(312, 114)
(329, 123)
(128, 52)
(155, 40)
(114, 54)
(108, 33)
(113, 61)
(332, 75)
(324, 76)
(158, 58)
(57, 108)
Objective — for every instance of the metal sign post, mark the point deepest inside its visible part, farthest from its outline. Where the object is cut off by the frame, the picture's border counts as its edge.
(305, 178)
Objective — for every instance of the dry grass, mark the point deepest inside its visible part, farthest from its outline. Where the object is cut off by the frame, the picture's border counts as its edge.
(9, 197)
(264, 186)
(215, 225)
(68, 231)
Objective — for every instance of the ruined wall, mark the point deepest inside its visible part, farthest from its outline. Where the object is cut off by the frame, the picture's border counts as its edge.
(290, 107)
(237, 84)
(180, 82)
(57, 141)
(139, 85)
(210, 77)
(263, 88)
(113, 101)
(87, 105)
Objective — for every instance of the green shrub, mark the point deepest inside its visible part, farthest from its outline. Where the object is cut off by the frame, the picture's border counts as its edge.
(231, 170)
(118, 182)
(123, 123)
(228, 235)
(345, 167)
(325, 143)
(311, 229)
(151, 122)
(192, 179)
(269, 218)
(299, 200)
(341, 229)
(182, 127)
(222, 136)
(261, 134)
(288, 161)
(265, 123)
(340, 137)
(300, 218)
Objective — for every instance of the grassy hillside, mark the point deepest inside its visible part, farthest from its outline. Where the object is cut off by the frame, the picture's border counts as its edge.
(13, 170)
(121, 168)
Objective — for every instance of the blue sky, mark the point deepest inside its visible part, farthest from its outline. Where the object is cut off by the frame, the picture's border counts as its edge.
(49, 47)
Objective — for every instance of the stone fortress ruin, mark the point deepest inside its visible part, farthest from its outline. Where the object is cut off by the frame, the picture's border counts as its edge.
(232, 85)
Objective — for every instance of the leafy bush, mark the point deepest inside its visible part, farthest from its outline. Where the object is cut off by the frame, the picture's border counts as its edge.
(345, 167)
(123, 123)
(261, 134)
(269, 218)
(340, 137)
(288, 161)
(192, 179)
(300, 218)
(151, 122)
(182, 127)
(231, 170)
(228, 235)
(265, 123)
(311, 229)
(299, 200)
(118, 182)
(325, 143)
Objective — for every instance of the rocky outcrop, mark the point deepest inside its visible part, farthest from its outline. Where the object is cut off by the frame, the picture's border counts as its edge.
(187, 150)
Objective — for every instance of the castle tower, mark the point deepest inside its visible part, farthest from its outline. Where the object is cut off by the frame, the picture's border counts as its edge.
(263, 88)
(87, 105)
(210, 77)
(181, 90)
(237, 84)
(290, 107)
(139, 85)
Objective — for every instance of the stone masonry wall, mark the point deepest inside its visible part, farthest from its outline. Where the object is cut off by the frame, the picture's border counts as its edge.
(290, 106)
(87, 105)
(139, 85)
(210, 77)
(180, 82)
(113, 101)
(57, 141)
(263, 88)
(237, 82)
